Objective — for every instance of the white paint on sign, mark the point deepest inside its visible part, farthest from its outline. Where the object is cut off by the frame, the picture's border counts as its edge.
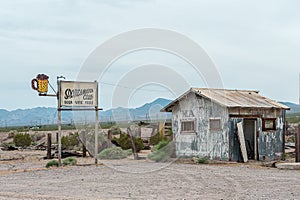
(78, 94)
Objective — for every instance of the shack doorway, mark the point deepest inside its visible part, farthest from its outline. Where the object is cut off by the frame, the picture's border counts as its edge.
(249, 129)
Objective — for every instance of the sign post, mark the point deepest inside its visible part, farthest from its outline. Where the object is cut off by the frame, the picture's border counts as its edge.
(71, 95)
(74, 95)
(59, 124)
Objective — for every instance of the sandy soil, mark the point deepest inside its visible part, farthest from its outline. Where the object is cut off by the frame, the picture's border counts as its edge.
(128, 179)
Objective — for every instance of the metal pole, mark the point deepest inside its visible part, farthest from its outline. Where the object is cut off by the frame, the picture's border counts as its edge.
(96, 136)
(59, 123)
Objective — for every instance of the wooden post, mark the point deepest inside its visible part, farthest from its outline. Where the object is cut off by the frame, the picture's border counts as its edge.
(109, 137)
(49, 145)
(59, 137)
(96, 136)
(59, 123)
(84, 144)
(297, 137)
(132, 143)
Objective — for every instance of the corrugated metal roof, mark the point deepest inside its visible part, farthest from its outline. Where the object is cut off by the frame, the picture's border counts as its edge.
(233, 98)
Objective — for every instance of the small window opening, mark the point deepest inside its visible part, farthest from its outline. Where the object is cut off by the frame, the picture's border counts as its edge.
(268, 124)
(188, 126)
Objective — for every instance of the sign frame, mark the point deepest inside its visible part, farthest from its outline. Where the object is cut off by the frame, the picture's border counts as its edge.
(77, 94)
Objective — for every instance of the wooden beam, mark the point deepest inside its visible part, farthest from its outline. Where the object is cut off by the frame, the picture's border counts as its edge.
(49, 143)
(242, 141)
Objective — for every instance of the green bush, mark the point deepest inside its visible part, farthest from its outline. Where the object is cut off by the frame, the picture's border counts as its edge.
(125, 142)
(114, 153)
(22, 140)
(70, 161)
(202, 160)
(161, 144)
(162, 152)
(68, 142)
(52, 163)
(155, 139)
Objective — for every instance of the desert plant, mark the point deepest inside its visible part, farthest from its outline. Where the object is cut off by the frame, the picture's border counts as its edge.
(22, 140)
(52, 163)
(68, 142)
(125, 142)
(202, 160)
(161, 144)
(70, 161)
(162, 152)
(155, 139)
(114, 153)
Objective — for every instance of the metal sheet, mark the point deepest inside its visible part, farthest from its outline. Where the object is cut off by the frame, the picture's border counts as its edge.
(231, 99)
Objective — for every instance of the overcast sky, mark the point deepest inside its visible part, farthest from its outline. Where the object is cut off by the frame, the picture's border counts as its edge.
(254, 44)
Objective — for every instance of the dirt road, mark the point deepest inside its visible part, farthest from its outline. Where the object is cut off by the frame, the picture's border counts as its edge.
(128, 179)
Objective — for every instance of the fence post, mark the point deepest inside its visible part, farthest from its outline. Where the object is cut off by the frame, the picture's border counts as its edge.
(49, 143)
(109, 137)
(297, 137)
(84, 144)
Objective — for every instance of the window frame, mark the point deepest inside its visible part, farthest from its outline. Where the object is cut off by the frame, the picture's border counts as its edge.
(264, 120)
(193, 120)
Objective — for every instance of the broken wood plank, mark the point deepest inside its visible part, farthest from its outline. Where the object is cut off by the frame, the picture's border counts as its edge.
(241, 138)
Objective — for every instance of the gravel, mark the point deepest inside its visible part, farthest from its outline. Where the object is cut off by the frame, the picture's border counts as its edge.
(143, 179)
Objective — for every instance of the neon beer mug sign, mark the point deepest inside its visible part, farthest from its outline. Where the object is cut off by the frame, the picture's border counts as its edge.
(40, 83)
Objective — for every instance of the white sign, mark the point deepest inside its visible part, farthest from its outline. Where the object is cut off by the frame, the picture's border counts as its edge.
(78, 94)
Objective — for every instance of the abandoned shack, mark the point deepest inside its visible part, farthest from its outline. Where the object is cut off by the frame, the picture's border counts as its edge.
(234, 125)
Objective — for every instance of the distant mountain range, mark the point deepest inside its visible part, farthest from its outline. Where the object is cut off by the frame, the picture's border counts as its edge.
(43, 115)
(47, 115)
(295, 108)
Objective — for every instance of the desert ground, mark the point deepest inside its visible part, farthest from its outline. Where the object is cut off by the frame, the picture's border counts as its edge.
(27, 178)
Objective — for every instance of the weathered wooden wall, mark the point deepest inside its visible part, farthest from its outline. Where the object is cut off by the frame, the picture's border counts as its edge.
(223, 144)
(204, 142)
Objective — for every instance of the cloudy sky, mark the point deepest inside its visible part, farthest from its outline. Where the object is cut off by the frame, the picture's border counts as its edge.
(253, 44)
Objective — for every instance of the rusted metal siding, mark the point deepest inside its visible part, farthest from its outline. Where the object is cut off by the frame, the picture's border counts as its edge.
(234, 145)
(213, 144)
(270, 143)
(238, 98)
(231, 107)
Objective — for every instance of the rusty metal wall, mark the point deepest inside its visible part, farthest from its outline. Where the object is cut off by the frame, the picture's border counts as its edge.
(213, 144)
(234, 144)
(222, 144)
(270, 143)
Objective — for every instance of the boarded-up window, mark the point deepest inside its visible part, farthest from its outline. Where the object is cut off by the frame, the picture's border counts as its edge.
(214, 124)
(269, 124)
(188, 126)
